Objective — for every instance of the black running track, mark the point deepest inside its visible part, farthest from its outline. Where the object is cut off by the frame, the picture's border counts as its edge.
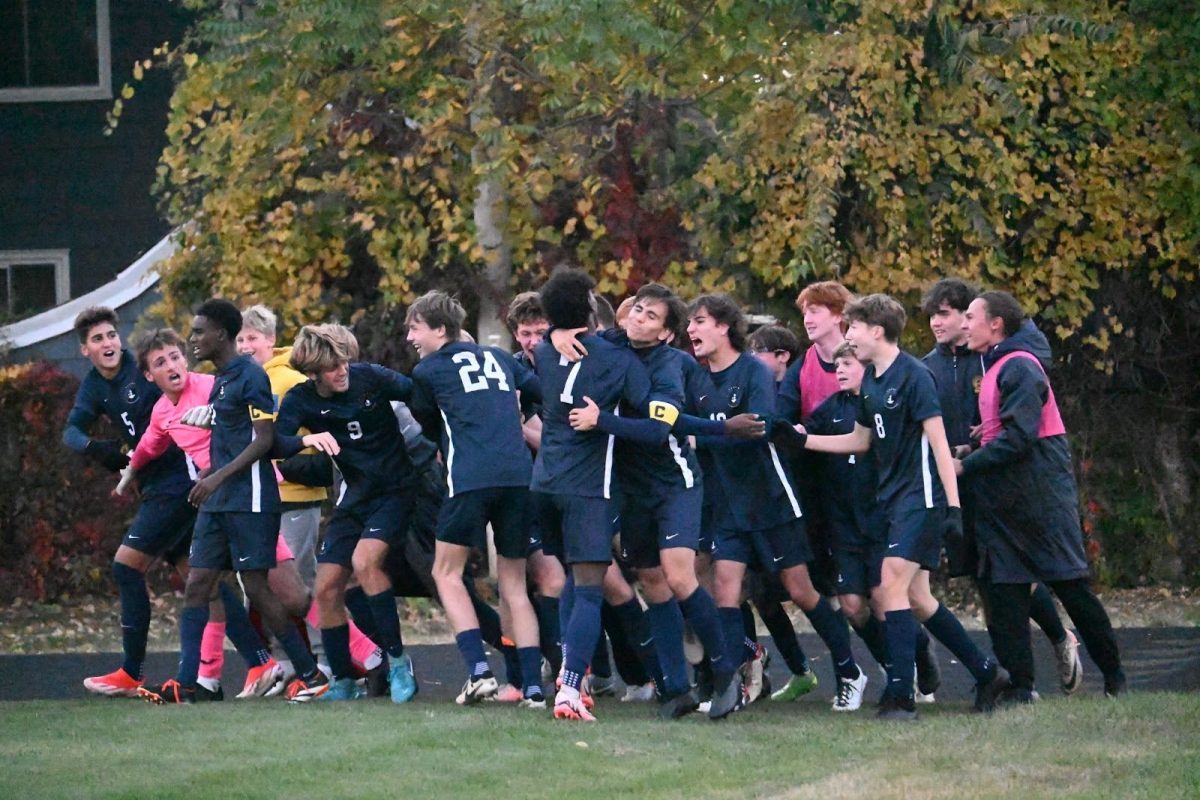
(1156, 659)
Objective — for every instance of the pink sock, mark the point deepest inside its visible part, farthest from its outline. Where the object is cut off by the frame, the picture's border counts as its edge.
(212, 650)
(362, 649)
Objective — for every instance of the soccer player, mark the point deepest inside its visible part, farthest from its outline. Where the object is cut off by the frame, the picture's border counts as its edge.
(114, 387)
(856, 524)
(574, 468)
(662, 495)
(348, 405)
(776, 347)
(466, 396)
(900, 423)
(959, 374)
(1027, 500)
(759, 522)
(238, 521)
(160, 356)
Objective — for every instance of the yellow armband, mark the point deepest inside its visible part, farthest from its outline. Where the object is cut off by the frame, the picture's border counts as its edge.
(663, 412)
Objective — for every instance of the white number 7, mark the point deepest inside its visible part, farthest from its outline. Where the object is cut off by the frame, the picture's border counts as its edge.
(566, 395)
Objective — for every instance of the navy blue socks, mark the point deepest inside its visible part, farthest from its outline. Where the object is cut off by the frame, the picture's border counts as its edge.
(135, 617)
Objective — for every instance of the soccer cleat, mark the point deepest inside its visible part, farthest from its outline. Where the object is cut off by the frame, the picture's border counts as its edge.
(114, 684)
(509, 694)
(401, 680)
(923, 699)
(639, 694)
(896, 710)
(303, 691)
(1012, 696)
(727, 696)
(260, 679)
(678, 706)
(476, 690)
(377, 680)
(850, 693)
(537, 701)
(287, 674)
(170, 693)
(602, 685)
(796, 687)
(1070, 668)
(571, 708)
(753, 674)
(704, 681)
(1114, 685)
(343, 689)
(987, 692)
(929, 673)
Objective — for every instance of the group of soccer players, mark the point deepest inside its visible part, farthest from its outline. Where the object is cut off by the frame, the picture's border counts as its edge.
(628, 484)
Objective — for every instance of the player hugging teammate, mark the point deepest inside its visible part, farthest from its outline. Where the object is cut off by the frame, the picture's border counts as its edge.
(830, 475)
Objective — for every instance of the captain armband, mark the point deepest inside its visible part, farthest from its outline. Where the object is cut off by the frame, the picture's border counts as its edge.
(257, 414)
(663, 412)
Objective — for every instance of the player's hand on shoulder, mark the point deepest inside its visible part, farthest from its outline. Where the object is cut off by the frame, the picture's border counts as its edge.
(323, 442)
(198, 416)
(566, 342)
(586, 418)
(108, 453)
(202, 489)
(746, 426)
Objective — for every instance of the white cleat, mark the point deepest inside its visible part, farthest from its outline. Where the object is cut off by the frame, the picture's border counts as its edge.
(850, 693)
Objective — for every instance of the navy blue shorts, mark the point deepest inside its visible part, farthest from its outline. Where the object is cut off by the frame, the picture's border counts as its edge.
(585, 525)
(538, 538)
(653, 523)
(385, 517)
(858, 569)
(463, 519)
(238, 540)
(770, 550)
(915, 535)
(162, 527)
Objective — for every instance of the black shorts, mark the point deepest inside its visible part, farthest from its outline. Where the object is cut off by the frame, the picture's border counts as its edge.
(770, 550)
(463, 519)
(650, 524)
(238, 540)
(915, 534)
(162, 527)
(858, 569)
(583, 524)
(385, 517)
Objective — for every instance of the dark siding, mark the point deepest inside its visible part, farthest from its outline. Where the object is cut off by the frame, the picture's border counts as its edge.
(63, 184)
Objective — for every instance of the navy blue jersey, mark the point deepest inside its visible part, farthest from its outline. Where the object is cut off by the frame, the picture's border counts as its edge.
(958, 373)
(894, 406)
(470, 393)
(127, 400)
(656, 468)
(754, 481)
(241, 395)
(373, 459)
(574, 462)
(848, 482)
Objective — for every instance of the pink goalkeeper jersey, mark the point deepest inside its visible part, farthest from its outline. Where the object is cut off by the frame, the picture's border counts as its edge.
(165, 428)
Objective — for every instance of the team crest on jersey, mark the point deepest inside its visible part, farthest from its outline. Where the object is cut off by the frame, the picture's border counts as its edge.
(735, 394)
(367, 403)
(131, 394)
(890, 400)
(221, 392)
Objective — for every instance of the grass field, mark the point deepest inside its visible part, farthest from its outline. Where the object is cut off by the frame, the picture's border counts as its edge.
(1145, 745)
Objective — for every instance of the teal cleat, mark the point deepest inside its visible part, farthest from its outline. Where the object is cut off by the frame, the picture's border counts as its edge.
(343, 689)
(401, 679)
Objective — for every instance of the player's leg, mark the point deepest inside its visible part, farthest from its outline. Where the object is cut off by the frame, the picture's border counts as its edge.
(547, 575)
(627, 611)
(510, 514)
(192, 620)
(386, 521)
(1044, 612)
(731, 553)
(1011, 639)
(1095, 628)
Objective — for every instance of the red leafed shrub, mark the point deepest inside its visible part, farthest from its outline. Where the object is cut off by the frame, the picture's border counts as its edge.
(59, 526)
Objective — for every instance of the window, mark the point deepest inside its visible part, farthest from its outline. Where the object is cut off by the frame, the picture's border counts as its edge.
(54, 50)
(33, 281)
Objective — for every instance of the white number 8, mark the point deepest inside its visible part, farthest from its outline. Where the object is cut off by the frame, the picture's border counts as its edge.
(879, 427)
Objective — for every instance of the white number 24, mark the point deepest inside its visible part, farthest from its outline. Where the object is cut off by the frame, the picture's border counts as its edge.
(470, 372)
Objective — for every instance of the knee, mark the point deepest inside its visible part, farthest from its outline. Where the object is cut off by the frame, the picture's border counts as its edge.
(365, 564)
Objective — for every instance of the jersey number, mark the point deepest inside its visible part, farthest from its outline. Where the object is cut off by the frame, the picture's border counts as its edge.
(128, 423)
(355, 428)
(569, 387)
(879, 427)
(469, 372)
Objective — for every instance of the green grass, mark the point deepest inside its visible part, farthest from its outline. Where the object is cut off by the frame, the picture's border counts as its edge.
(1145, 745)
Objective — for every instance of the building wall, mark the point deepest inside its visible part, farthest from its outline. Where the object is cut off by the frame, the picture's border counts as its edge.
(64, 184)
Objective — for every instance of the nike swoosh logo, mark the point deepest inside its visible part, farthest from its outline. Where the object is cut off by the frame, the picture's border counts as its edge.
(324, 411)
(778, 559)
(243, 558)
(890, 546)
(131, 536)
(293, 517)
(838, 419)
(703, 397)
(374, 530)
(672, 536)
